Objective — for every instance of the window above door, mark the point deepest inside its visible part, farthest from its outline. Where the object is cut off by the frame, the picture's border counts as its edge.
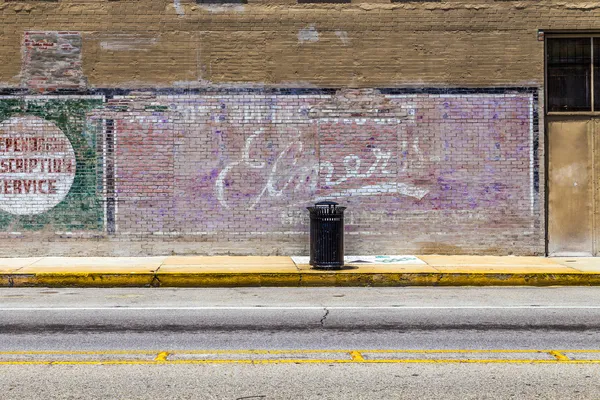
(573, 74)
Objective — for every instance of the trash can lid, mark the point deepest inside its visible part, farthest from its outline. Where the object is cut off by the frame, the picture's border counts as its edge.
(326, 203)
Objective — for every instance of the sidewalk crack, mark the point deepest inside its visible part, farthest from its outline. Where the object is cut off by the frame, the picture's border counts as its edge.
(324, 316)
(155, 281)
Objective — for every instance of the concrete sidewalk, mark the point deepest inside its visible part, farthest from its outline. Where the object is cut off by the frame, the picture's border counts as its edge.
(231, 271)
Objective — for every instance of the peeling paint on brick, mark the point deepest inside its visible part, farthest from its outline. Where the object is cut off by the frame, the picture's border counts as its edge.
(308, 34)
(127, 42)
(52, 60)
(221, 8)
(343, 36)
(178, 8)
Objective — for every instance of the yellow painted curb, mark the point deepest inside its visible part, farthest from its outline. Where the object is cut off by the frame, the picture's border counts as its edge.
(314, 279)
(519, 279)
(74, 279)
(213, 279)
(296, 279)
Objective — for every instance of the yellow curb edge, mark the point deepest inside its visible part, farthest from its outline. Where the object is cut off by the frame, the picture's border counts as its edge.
(296, 279)
(77, 279)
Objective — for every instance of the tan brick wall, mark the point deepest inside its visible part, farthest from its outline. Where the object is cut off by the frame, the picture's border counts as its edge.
(364, 44)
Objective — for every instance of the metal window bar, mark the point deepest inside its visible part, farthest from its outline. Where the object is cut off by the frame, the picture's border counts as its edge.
(594, 61)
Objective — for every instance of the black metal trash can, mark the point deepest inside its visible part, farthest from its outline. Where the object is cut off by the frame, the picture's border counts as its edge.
(326, 235)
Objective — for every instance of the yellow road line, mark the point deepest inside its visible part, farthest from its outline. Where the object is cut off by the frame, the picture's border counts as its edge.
(277, 357)
(559, 356)
(579, 351)
(162, 356)
(460, 351)
(300, 361)
(356, 356)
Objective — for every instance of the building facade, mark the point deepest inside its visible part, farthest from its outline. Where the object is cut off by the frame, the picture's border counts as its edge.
(140, 127)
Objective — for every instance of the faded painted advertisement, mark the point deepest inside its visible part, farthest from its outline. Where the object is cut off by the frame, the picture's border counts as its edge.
(249, 163)
(37, 165)
(229, 165)
(49, 165)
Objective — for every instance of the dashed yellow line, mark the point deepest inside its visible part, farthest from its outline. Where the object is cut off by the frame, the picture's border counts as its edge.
(356, 356)
(301, 361)
(162, 356)
(559, 356)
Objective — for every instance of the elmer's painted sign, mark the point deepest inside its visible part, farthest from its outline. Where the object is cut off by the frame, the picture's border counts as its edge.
(37, 165)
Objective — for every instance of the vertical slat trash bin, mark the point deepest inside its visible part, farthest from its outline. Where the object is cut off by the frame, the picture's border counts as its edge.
(326, 235)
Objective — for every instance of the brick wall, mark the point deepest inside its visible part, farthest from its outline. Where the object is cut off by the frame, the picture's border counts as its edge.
(163, 43)
(209, 129)
(233, 171)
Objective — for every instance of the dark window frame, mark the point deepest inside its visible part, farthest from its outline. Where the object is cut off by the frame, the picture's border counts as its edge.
(594, 72)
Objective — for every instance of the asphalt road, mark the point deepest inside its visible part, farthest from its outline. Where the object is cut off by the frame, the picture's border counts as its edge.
(285, 343)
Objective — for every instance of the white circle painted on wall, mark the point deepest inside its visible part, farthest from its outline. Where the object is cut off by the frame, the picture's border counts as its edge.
(37, 165)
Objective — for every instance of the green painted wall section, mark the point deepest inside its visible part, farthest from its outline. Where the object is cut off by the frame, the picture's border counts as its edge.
(82, 208)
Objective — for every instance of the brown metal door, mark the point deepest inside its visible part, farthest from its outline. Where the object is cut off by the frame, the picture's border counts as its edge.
(571, 186)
